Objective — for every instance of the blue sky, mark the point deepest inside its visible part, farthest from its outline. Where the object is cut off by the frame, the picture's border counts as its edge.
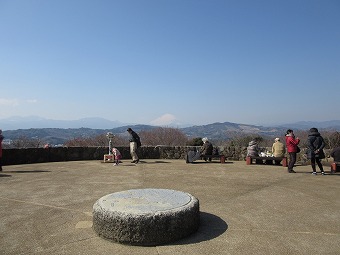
(171, 61)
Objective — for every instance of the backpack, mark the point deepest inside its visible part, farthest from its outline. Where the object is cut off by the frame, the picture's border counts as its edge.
(139, 144)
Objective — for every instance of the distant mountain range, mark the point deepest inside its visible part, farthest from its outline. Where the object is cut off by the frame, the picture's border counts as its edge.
(57, 132)
(330, 125)
(16, 122)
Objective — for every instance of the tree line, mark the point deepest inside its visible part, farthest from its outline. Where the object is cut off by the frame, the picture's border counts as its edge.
(174, 137)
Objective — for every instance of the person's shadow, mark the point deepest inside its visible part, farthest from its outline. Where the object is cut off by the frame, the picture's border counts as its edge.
(28, 171)
(211, 226)
(5, 175)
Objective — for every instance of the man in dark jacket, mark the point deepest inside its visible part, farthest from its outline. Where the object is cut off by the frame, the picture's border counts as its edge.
(315, 153)
(134, 144)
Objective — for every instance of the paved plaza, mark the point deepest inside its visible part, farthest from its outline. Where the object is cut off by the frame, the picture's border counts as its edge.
(245, 209)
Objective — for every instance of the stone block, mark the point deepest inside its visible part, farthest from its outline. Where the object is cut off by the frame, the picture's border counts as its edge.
(146, 217)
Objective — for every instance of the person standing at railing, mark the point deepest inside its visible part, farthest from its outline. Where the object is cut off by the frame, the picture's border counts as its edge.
(292, 148)
(315, 153)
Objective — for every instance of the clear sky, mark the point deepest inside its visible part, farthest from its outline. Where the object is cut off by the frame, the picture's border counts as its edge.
(160, 61)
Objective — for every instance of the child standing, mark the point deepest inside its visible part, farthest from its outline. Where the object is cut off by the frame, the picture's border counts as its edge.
(118, 156)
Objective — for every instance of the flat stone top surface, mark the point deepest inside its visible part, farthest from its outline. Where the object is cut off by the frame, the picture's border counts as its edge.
(141, 201)
(46, 208)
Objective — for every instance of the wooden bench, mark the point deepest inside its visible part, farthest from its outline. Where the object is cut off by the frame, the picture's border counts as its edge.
(334, 167)
(221, 157)
(249, 160)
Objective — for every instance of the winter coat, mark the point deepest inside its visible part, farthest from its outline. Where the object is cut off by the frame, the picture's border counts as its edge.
(278, 149)
(253, 149)
(207, 148)
(335, 153)
(315, 142)
(1, 138)
(134, 137)
(116, 153)
(291, 143)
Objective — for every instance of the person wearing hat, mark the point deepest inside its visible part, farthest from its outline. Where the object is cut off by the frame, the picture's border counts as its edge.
(206, 149)
(315, 153)
(278, 150)
(134, 144)
(253, 149)
(335, 154)
(292, 148)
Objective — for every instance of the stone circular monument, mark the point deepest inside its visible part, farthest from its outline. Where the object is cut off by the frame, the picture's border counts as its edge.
(146, 216)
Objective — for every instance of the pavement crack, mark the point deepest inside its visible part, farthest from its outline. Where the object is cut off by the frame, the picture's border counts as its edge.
(40, 204)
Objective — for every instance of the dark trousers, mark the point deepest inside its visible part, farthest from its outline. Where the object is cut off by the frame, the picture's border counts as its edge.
(292, 160)
(318, 162)
(278, 162)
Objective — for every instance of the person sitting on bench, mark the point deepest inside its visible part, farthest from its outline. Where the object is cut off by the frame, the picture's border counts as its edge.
(207, 148)
(253, 150)
(335, 154)
(278, 150)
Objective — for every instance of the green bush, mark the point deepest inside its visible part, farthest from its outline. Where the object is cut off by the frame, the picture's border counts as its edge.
(195, 142)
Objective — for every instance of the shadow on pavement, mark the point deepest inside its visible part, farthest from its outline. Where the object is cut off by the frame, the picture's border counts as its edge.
(211, 162)
(144, 162)
(319, 173)
(27, 172)
(5, 175)
(156, 162)
(211, 226)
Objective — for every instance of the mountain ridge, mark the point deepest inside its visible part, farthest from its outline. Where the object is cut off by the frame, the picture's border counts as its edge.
(18, 122)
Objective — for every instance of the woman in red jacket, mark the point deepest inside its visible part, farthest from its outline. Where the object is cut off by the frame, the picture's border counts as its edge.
(291, 143)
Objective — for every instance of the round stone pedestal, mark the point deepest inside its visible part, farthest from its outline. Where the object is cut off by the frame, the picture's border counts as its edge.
(146, 216)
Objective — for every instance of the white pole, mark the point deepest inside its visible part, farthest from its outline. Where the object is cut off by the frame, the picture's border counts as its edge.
(109, 135)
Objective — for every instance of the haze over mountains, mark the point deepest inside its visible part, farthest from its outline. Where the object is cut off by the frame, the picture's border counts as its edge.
(17, 122)
(59, 131)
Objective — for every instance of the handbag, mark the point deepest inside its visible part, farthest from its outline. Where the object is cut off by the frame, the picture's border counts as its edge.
(298, 149)
(320, 154)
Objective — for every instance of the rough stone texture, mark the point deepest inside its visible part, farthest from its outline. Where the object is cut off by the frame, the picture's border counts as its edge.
(146, 216)
(40, 155)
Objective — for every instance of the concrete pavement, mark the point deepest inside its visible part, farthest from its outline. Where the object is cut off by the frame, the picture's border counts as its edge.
(245, 209)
